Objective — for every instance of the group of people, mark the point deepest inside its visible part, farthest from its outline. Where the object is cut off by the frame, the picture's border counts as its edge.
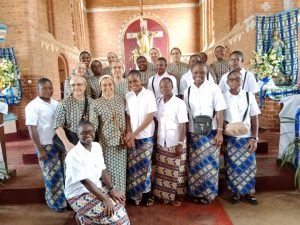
(113, 124)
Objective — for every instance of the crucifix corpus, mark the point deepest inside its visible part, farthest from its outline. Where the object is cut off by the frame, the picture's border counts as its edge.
(144, 38)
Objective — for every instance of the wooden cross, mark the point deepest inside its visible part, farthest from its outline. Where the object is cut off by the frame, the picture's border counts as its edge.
(148, 34)
(141, 7)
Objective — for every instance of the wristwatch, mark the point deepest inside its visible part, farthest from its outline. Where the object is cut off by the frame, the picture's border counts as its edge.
(254, 138)
(111, 188)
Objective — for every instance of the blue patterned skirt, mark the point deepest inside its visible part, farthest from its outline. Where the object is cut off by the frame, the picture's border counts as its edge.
(240, 166)
(53, 174)
(203, 175)
(139, 168)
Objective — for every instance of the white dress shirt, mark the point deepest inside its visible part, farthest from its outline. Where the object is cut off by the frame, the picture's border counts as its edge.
(156, 82)
(82, 164)
(237, 106)
(170, 115)
(187, 80)
(203, 101)
(41, 114)
(138, 107)
(250, 83)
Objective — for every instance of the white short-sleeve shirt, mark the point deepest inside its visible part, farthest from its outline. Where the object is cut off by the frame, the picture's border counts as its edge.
(156, 82)
(187, 80)
(138, 107)
(203, 101)
(251, 84)
(82, 164)
(237, 106)
(170, 115)
(41, 114)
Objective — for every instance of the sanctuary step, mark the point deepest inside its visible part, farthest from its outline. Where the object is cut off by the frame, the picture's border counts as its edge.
(28, 186)
(262, 146)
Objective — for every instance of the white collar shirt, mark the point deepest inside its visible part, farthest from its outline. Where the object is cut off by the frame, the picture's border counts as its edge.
(138, 107)
(187, 80)
(82, 164)
(203, 101)
(153, 85)
(237, 106)
(41, 114)
(251, 84)
(170, 115)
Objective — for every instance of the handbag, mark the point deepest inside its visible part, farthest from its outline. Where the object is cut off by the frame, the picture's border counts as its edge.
(72, 136)
(202, 123)
(238, 128)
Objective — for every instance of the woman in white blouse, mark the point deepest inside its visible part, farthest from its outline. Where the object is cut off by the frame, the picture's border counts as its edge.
(204, 100)
(240, 160)
(85, 166)
(171, 148)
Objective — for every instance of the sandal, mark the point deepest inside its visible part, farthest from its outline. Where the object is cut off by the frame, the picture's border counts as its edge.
(235, 198)
(251, 199)
(150, 202)
(177, 203)
(203, 201)
(133, 202)
(165, 202)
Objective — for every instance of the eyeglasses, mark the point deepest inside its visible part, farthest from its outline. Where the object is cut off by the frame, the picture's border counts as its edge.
(78, 85)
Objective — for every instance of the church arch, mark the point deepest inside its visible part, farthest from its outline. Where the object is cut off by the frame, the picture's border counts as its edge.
(63, 71)
(134, 19)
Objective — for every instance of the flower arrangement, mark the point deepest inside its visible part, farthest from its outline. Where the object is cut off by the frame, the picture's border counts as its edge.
(8, 75)
(266, 65)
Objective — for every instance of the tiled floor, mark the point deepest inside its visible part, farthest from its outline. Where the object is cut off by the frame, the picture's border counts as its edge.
(274, 208)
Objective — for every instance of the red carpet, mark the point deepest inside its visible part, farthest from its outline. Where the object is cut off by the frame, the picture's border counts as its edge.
(187, 214)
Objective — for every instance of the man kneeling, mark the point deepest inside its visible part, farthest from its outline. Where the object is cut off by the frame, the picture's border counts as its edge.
(85, 166)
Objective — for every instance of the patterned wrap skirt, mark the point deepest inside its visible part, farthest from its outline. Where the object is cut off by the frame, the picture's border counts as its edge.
(240, 166)
(139, 168)
(53, 174)
(170, 173)
(90, 211)
(115, 159)
(203, 174)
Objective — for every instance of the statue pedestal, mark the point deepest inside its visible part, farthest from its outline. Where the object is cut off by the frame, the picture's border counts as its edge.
(5, 173)
(3, 158)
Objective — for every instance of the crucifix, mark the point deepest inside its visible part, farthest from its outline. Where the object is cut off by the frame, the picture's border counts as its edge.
(141, 7)
(144, 38)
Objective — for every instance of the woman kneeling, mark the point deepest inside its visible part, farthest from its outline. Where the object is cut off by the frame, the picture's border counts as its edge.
(85, 166)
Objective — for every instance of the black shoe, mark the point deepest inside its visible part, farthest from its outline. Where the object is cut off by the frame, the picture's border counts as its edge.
(235, 198)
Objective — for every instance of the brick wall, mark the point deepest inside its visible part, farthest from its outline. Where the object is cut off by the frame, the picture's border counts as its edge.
(182, 26)
(39, 41)
(36, 48)
(240, 37)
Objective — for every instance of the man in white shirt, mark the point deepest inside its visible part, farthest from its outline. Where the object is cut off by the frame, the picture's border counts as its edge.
(153, 83)
(39, 119)
(140, 108)
(248, 83)
(187, 78)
